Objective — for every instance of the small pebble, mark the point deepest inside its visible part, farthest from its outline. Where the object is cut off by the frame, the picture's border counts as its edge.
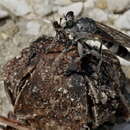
(123, 126)
(33, 28)
(102, 4)
(43, 7)
(17, 7)
(3, 13)
(89, 4)
(118, 5)
(98, 15)
(123, 22)
(62, 2)
(76, 8)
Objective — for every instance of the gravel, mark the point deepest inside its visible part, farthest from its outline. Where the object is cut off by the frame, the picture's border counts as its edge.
(123, 126)
(29, 19)
(62, 2)
(3, 13)
(76, 8)
(123, 22)
(42, 7)
(118, 5)
(33, 28)
(18, 7)
(98, 14)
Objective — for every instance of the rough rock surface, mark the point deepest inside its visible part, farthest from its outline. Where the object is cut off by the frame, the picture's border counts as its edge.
(17, 13)
(123, 22)
(76, 8)
(18, 7)
(56, 89)
(118, 5)
(98, 15)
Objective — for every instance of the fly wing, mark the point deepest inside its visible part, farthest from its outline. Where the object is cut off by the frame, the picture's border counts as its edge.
(113, 34)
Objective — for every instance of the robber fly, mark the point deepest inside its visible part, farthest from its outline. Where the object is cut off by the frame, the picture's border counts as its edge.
(87, 28)
(83, 48)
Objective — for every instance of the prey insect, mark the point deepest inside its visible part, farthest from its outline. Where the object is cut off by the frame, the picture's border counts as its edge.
(42, 96)
(88, 29)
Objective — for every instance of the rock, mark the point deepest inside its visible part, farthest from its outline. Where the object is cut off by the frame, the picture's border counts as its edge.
(5, 105)
(3, 13)
(33, 28)
(76, 8)
(49, 29)
(77, 0)
(126, 70)
(123, 22)
(18, 7)
(88, 7)
(123, 126)
(62, 2)
(128, 33)
(43, 7)
(89, 4)
(44, 72)
(124, 62)
(101, 4)
(8, 30)
(118, 5)
(98, 15)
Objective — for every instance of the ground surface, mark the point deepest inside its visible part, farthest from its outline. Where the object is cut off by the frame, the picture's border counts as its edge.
(21, 22)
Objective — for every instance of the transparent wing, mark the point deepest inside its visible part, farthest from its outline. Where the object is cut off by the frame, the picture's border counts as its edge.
(113, 35)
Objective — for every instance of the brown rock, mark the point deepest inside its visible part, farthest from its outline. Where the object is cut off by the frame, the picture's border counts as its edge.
(58, 90)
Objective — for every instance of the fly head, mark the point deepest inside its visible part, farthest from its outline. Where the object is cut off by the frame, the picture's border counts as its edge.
(69, 19)
(83, 28)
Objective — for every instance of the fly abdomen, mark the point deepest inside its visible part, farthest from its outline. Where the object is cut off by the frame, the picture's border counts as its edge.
(118, 50)
(123, 52)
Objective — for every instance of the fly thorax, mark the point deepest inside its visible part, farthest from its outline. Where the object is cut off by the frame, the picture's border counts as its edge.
(86, 25)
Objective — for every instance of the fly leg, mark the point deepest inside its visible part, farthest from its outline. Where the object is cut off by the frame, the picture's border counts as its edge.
(100, 60)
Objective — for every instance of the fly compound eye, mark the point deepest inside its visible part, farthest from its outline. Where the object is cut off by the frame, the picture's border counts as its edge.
(69, 16)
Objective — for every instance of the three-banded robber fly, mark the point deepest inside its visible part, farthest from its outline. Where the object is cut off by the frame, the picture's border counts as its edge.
(83, 48)
(88, 29)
